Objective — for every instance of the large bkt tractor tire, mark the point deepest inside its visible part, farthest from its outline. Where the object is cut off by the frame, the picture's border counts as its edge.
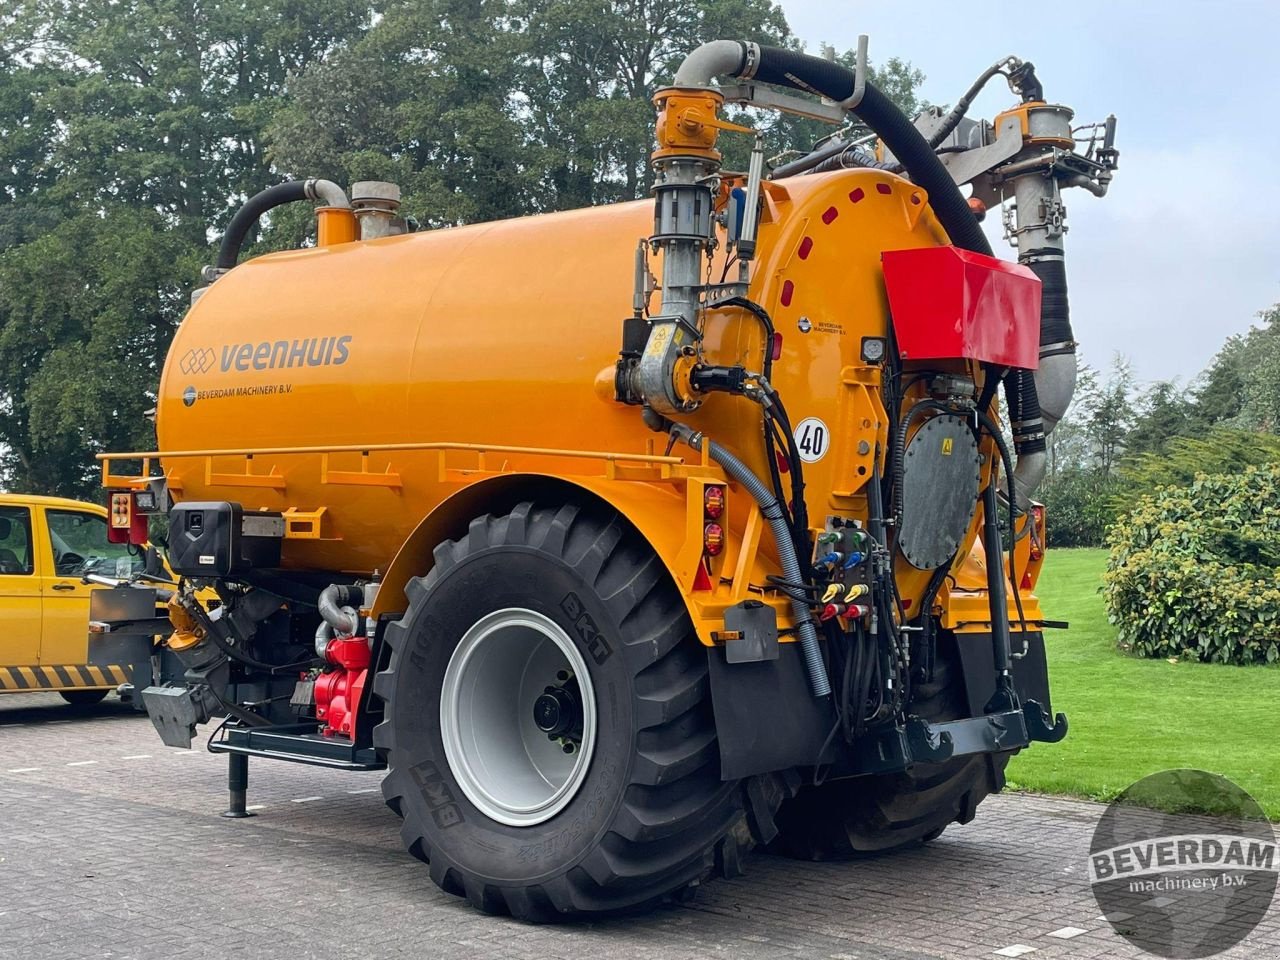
(844, 819)
(570, 610)
(83, 698)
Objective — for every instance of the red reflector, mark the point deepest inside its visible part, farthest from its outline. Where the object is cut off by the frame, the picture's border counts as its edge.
(830, 214)
(1026, 581)
(884, 188)
(701, 579)
(775, 350)
(713, 502)
(806, 247)
(856, 194)
(783, 466)
(713, 539)
(906, 603)
(788, 290)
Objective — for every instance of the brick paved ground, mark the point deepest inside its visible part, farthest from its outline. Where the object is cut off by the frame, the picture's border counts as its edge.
(110, 846)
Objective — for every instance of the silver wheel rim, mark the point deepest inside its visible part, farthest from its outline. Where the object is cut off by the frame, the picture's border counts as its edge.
(508, 767)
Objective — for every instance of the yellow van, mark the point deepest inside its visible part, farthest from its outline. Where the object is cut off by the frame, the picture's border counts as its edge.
(47, 547)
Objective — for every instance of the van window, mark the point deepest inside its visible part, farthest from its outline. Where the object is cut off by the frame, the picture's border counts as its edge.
(15, 541)
(80, 546)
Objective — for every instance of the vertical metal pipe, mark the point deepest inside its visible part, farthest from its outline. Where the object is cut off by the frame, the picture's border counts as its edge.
(997, 597)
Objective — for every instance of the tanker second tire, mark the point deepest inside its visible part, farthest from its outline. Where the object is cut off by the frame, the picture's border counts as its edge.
(846, 819)
(548, 627)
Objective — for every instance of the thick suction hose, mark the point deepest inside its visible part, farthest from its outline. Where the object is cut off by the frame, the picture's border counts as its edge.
(1056, 378)
(1028, 434)
(325, 191)
(787, 68)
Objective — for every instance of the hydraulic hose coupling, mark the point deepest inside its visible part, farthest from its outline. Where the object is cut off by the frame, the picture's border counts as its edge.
(854, 611)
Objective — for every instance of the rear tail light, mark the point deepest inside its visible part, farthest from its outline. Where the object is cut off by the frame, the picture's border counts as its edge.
(125, 523)
(713, 539)
(713, 502)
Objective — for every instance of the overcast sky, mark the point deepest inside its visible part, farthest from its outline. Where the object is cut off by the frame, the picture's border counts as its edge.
(1185, 249)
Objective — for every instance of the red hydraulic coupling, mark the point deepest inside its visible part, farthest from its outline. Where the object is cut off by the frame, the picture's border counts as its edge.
(854, 611)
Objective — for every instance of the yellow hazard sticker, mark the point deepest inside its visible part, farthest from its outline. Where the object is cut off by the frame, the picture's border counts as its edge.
(946, 446)
(658, 342)
(62, 677)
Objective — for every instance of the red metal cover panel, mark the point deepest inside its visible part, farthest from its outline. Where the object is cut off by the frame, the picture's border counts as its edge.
(949, 303)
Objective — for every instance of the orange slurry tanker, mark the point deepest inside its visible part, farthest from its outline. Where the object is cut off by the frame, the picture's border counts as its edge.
(626, 539)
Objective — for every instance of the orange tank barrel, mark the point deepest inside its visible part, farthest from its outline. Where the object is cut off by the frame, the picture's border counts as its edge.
(496, 333)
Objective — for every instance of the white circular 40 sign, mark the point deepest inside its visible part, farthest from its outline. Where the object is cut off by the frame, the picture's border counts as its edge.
(813, 439)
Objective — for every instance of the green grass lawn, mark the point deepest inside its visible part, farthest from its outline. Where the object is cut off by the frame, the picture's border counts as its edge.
(1131, 717)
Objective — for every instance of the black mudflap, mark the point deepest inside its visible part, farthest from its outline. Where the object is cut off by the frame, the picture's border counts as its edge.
(766, 718)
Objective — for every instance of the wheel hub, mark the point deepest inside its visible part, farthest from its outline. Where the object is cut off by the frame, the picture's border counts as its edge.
(558, 711)
(518, 717)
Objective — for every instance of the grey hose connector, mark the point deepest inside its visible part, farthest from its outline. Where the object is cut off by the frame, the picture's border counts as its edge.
(1080, 180)
(328, 193)
(337, 605)
(814, 666)
(1056, 385)
(714, 59)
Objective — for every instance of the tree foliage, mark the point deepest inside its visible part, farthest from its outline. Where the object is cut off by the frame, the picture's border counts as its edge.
(130, 130)
(520, 106)
(1119, 442)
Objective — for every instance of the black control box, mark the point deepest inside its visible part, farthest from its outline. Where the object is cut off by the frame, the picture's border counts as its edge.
(218, 539)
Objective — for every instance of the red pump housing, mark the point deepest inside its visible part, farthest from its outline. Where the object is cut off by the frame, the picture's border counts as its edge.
(339, 691)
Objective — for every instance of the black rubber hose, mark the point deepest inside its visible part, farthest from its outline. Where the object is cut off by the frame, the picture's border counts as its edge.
(1055, 310)
(1024, 412)
(249, 214)
(810, 160)
(1055, 328)
(855, 157)
(798, 71)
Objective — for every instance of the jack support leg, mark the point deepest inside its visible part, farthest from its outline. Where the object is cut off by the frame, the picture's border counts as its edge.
(238, 785)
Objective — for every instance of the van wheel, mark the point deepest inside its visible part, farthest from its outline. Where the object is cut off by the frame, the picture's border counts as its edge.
(548, 725)
(845, 819)
(83, 698)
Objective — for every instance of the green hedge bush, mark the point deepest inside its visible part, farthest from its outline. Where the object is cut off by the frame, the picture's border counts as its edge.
(1194, 570)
